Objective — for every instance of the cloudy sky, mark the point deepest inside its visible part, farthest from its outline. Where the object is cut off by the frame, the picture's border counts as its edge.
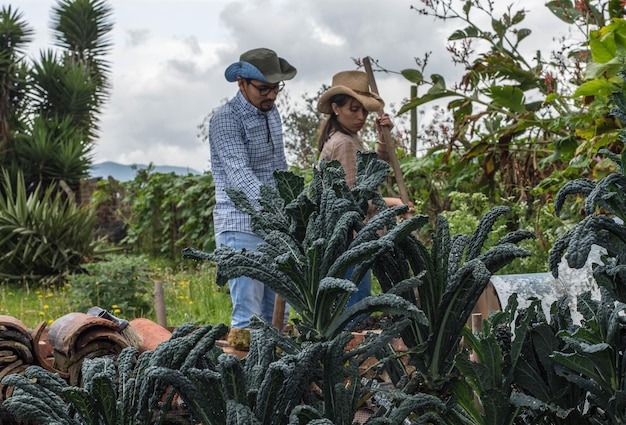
(169, 58)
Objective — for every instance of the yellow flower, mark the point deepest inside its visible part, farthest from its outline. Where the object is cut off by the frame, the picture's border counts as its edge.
(114, 306)
(50, 321)
(46, 306)
(41, 313)
(117, 311)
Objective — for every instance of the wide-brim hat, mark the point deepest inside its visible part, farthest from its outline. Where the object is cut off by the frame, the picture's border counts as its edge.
(352, 83)
(261, 64)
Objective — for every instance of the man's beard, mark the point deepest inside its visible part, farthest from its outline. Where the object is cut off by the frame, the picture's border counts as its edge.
(266, 105)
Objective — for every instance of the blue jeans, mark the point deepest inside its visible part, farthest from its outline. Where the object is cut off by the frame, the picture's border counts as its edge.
(249, 296)
(364, 286)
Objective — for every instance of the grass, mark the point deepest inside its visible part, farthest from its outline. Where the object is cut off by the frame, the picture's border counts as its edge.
(191, 295)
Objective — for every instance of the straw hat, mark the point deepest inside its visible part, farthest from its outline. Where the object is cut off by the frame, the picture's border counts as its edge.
(261, 64)
(352, 83)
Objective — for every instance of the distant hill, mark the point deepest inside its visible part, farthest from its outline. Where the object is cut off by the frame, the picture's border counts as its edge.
(124, 173)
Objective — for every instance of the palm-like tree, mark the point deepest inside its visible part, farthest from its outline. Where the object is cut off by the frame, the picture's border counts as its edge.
(51, 134)
(14, 37)
(48, 126)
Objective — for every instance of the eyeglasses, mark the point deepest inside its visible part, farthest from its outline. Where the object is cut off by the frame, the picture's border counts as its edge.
(265, 90)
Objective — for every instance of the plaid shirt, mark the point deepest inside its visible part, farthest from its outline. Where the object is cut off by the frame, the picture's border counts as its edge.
(243, 156)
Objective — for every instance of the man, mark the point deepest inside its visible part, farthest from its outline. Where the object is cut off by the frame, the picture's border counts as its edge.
(246, 143)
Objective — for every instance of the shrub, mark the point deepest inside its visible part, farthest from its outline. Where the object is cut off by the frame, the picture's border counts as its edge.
(119, 283)
(169, 212)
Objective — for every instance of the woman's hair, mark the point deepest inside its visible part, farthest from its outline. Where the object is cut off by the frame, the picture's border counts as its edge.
(330, 124)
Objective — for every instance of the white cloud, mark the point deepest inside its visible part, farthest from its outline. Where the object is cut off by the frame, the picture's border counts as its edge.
(169, 58)
(326, 36)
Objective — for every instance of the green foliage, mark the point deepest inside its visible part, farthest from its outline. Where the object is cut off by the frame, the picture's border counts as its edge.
(463, 216)
(282, 382)
(487, 366)
(56, 99)
(121, 392)
(446, 282)
(117, 282)
(570, 374)
(16, 34)
(169, 212)
(43, 235)
(310, 244)
(52, 151)
(603, 226)
(516, 128)
(592, 358)
(278, 383)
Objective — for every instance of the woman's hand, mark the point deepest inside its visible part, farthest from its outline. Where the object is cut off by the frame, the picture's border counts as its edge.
(394, 202)
(383, 121)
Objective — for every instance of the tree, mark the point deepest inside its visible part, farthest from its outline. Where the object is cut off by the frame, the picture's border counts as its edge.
(48, 125)
(54, 103)
(514, 127)
(14, 36)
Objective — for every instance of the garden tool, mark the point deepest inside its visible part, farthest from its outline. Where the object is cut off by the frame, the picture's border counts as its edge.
(389, 144)
(134, 339)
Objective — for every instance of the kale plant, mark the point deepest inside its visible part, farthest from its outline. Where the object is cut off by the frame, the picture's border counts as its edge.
(563, 373)
(313, 236)
(445, 282)
(281, 382)
(120, 391)
(603, 226)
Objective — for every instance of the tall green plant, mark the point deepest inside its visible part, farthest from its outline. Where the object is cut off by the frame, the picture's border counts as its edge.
(55, 101)
(446, 282)
(169, 212)
(44, 236)
(516, 125)
(276, 384)
(313, 237)
(114, 282)
(16, 34)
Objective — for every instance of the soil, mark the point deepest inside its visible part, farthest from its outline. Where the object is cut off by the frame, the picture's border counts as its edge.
(371, 323)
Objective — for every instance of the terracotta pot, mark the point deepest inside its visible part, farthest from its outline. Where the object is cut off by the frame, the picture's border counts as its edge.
(150, 333)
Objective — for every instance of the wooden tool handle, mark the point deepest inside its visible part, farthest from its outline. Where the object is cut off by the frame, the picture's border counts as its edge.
(389, 144)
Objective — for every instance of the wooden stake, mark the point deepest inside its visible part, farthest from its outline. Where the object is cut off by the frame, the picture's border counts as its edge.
(279, 312)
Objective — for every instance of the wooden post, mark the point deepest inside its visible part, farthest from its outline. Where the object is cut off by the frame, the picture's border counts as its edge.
(413, 124)
(279, 312)
(159, 304)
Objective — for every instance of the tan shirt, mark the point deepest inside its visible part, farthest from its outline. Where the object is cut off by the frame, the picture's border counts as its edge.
(343, 148)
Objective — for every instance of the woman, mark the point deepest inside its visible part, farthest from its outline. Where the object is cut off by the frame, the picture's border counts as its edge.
(348, 102)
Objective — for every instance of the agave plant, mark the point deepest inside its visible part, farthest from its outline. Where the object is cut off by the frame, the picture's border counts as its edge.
(42, 234)
(313, 237)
